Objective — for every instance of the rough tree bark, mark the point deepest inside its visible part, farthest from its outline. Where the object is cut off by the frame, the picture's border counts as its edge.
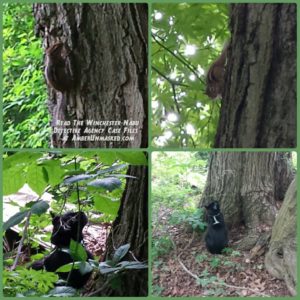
(131, 226)
(108, 62)
(248, 185)
(281, 259)
(259, 100)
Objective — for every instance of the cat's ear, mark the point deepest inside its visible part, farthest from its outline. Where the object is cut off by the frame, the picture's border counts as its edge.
(83, 218)
(52, 214)
(55, 218)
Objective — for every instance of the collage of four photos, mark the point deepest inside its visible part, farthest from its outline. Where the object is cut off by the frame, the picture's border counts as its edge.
(149, 149)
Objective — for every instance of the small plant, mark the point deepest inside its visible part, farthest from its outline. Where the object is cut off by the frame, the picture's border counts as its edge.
(215, 292)
(215, 262)
(24, 282)
(235, 253)
(116, 264)
(209, 281)
(200, 258)
(193, 218)
(227, 251)
(232, 264)
(206, 278)
(157, 290)
(161, 246)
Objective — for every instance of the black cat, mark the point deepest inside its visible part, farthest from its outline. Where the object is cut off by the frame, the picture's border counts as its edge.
(66, 227)
(216, 238)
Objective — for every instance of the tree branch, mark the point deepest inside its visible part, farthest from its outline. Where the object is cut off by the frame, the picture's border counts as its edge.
(183, 61)
(172, 82)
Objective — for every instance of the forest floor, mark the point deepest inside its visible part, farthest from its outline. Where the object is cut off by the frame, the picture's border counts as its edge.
(95, 237)
(188, 269)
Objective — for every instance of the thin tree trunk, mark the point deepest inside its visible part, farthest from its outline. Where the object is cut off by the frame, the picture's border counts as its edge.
(108, 63)
(259, 102)
(131, 226)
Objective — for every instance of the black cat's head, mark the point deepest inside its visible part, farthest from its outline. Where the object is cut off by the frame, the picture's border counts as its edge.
(66, 227)
(213, 208)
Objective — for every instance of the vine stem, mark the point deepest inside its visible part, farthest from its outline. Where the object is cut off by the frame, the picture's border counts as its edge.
(21, 242)
(78, 226)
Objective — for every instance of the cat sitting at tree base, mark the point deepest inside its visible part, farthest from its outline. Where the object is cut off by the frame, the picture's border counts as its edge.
(65, 227)
(216, 238)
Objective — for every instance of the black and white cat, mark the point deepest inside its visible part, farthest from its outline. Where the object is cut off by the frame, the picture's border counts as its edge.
(216, 238)
(65, 227)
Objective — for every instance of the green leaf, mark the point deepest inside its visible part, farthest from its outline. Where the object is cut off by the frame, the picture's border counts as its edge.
(13, 180)
(77, 178)
(63, 291)
(20, 159)
(109, 183)
(132, 265)
(106, 205)
(37, 256)
(133, 158)
(15, 219)
(15, 170)
(120, 253)
(85, 267)
(104, 268)
(54, 171)
(111, 169)
(70, 173)
(125, 176)
(77, 251)
(107, 158)
(36, 178)
(68, 267)
(39, 207)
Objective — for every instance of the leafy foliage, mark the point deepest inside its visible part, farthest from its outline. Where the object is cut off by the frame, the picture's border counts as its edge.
(37, 207)
(69, 176)
(116, 264)
(161, 246)
(192, 217)
(213, 284)
(186, 39)
(66, 176)
(178, 179)
(24, 93)
(63, 291)
(23, 282)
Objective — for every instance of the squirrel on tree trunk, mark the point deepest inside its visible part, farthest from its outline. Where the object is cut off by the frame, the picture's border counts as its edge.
(215, 75)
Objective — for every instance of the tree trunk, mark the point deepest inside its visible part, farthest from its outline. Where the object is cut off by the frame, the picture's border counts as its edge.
(107, 62)
(281, 259)
(259, 101)
(247, 185)
(131, 226)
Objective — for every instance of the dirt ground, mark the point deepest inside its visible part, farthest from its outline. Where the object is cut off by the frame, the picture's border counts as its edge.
(190, 270)
(95, 238)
